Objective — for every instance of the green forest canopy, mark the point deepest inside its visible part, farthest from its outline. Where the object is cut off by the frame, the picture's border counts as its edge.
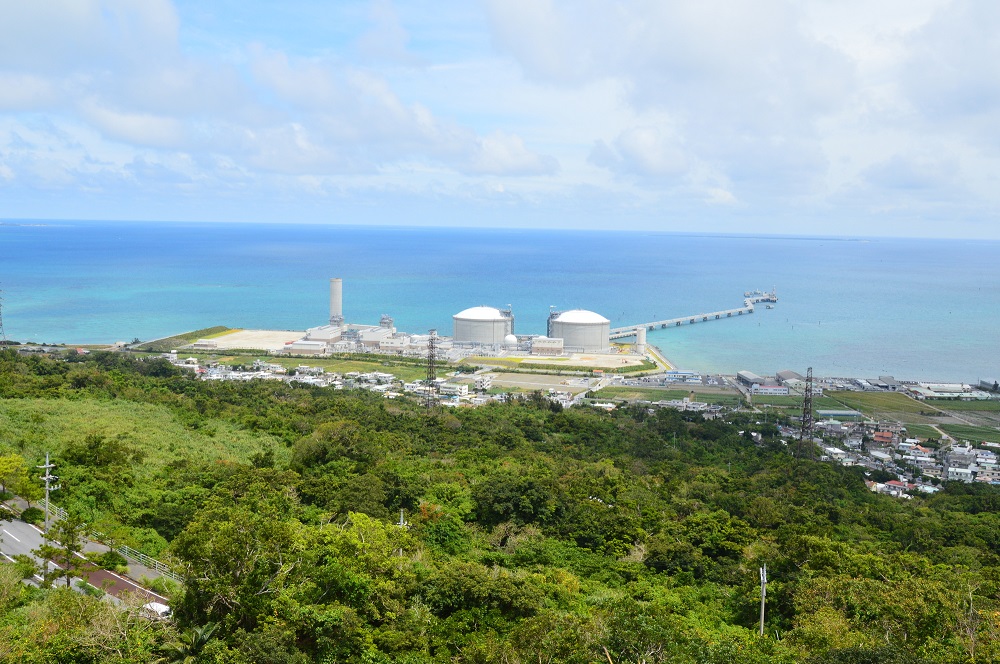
(534, 534)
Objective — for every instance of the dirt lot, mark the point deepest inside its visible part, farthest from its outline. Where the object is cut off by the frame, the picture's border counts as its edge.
(257, 339)
(543, 382)
(598, 361)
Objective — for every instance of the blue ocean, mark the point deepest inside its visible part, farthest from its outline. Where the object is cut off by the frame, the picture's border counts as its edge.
(915, 309)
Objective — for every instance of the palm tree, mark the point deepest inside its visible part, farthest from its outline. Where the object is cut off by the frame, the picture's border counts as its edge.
(187, 648)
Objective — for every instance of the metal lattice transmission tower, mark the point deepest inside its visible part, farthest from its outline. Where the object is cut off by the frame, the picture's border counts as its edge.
(806, 434)
(3, 335)
(432, 347)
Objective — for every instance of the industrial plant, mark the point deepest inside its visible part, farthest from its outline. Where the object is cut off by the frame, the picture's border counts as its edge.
(478, 330)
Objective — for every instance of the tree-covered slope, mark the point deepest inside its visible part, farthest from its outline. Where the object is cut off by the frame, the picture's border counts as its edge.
(532, 534)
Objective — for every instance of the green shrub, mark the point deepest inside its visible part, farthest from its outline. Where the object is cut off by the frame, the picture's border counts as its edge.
(162, 585)
(25, 565)
(88, 589)
(111, 560)
(33, 515)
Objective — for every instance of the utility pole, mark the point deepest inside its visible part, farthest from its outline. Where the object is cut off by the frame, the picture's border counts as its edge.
(402, 524)
(48, 478)
(763, 595)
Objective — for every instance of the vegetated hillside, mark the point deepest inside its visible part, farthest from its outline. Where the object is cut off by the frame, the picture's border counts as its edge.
(533, 534)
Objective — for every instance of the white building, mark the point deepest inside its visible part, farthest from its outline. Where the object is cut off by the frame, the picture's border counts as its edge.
(454, 390)
(305, 347)
(546, 346)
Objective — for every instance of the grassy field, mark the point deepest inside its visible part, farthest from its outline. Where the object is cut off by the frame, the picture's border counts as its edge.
(557, 364)
(170, 343)
(654, 394)
(992, 406)
(975, 434)
(875, 403)
(35, 426)
(921, 431)
(795, 402)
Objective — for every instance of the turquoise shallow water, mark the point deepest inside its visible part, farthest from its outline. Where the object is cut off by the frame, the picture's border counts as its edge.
(863, 307)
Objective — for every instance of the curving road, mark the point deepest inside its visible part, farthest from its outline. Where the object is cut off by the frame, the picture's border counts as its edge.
(19, 538)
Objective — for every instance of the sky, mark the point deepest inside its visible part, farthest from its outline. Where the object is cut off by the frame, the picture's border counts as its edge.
(806, 117)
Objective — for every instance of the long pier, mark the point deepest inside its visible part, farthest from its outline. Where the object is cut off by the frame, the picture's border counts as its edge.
(751, 298)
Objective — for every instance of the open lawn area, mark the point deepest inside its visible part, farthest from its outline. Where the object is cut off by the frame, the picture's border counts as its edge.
(975, 434)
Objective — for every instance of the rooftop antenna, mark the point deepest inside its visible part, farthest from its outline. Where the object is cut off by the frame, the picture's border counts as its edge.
(431, 394)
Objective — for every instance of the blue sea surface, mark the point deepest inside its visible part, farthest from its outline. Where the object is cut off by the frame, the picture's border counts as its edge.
(916, 309)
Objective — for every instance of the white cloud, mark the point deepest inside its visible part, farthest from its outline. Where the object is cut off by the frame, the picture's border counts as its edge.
(666, 110)
(22, 92)
(647, 151)
(140, 129)
(505, 154)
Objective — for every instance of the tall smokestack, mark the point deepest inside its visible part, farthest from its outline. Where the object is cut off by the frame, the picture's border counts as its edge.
(336, 302)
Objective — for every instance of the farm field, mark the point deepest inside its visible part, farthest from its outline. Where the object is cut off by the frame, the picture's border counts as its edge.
(975, 434)
(873, 403)
(922, 431)
(656, 394)
(795, 402)
(992, 406)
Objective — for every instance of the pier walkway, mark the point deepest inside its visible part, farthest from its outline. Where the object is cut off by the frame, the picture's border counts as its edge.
(751, 298)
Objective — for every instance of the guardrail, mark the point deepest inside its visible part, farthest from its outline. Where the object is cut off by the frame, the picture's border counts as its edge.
(128, 552)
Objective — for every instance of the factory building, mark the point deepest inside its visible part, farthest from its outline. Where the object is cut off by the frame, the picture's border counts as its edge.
(546, 346)
(580, 330)
(483, 326)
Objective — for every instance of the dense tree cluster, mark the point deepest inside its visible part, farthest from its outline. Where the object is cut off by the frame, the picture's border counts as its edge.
(532, 534)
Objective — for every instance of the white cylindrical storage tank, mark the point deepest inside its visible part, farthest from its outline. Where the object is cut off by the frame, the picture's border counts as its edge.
(581, 330)
(336, 301)
(482, 325)
(640, 340)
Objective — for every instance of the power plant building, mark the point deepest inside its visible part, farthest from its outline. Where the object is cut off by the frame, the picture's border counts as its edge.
(581, 330)
(483, 326)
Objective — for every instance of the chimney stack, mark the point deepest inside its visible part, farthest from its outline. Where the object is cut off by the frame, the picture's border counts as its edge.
(336, 302)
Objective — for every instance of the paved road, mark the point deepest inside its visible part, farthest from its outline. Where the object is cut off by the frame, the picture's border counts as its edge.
(22, 538)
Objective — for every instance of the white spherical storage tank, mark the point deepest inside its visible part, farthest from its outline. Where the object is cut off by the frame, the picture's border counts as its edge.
(581, 330)
(482, 325)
